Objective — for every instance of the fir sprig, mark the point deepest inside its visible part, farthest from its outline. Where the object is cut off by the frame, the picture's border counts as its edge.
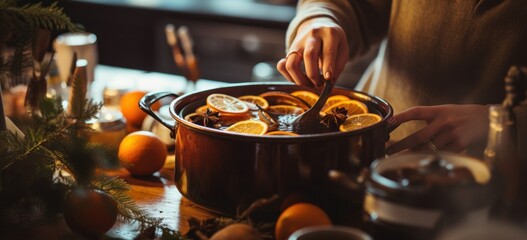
(11, 69)
(31, 16)
(81, 109)
(128, 210)
(17, 27)
(52, 141)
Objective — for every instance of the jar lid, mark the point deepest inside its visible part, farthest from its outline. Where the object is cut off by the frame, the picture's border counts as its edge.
(108, 120)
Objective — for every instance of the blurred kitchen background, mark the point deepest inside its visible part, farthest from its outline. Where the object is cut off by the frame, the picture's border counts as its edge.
(235, 40)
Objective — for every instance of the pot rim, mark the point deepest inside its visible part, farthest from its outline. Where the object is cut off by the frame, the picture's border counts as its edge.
(274, 138)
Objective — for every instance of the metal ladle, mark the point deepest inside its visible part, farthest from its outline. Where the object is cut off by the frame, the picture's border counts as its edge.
(309, 121)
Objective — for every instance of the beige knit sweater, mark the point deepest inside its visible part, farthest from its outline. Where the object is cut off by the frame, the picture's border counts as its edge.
(435, 52)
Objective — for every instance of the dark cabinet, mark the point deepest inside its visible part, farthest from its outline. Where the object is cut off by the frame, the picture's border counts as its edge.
(230, 36)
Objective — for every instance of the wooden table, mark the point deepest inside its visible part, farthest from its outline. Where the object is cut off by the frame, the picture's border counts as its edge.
(159, 196)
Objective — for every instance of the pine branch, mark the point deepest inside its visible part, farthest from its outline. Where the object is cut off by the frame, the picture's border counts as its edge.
(27, 148)
(79, 108)
(11, 70)
(78, 160)
(51, 135)
(19, 64)
(17, 25)
(37, 16)
(7, 3)
(8, 152)
(128, 210)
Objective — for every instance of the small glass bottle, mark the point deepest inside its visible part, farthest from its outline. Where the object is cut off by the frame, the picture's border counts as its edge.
(502, 156)
(108, 129)
(54, 82)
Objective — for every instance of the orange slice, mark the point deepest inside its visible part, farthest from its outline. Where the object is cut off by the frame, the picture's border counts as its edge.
(227, 119)
(285, 109)
(359, 121)
(283, 98)
(282, 133)
(335, 99)
(309, 97)
(353, 107)
(190, 115)
(249, 127)
(202, 109)
(253, 100)
(226, 103)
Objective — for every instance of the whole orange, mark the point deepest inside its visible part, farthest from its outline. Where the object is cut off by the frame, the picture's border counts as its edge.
(142, 153)
(129, 104)
(90, 212)
(237, 231)
(297, 216)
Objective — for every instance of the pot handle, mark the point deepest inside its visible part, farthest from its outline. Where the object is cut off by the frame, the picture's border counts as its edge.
(146, 102)
(390, 126)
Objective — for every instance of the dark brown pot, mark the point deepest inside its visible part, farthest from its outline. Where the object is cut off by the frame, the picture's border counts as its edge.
(220, 170)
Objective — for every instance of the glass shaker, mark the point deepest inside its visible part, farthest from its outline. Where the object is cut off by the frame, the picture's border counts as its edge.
(109, 129)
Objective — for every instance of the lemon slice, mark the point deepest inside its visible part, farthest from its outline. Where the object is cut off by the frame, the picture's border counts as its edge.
(353, 107)
(253, 100)
(249, 127)
(226, 103)
(359, 121)
(309, 97)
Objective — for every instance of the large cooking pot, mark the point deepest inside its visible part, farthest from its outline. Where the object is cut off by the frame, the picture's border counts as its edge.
(221, 170)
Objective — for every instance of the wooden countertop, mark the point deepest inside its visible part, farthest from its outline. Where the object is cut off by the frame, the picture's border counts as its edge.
(159, 196)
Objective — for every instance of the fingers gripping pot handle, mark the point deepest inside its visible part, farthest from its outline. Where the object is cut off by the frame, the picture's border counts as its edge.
(149, 99)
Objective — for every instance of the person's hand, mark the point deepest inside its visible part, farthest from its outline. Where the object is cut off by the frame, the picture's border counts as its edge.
(322, 45)
(449, 127)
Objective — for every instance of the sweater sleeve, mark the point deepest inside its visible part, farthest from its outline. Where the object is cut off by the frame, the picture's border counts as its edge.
(364, 21)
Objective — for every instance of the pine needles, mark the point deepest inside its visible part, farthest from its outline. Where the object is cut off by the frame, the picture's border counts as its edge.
(128, 210)
(31, 16)
(54, 154)
(17, 27)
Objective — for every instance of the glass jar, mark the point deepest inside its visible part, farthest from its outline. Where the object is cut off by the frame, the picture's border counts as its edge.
(492, 230)
(109, 129)
(415, 195)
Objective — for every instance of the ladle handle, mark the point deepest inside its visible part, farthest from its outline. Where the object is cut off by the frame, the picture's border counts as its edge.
(324, 95)
(149, 99)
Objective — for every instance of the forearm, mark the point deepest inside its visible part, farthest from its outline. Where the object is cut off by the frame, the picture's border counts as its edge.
(365, 22)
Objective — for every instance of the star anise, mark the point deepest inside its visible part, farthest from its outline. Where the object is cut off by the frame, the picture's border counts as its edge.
(336, 117)
(207, 119)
